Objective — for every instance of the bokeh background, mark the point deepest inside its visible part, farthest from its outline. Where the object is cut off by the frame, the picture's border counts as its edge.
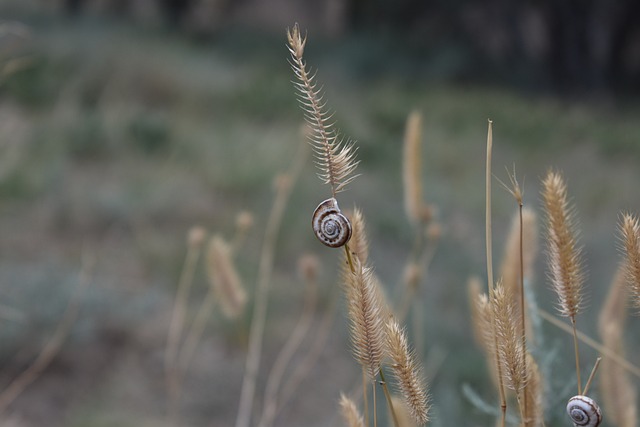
(123, 124)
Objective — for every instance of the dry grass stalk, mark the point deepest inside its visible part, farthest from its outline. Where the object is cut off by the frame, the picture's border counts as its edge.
(564, 255)
(335, 155)
(195, 239)
(516, 250)
(366, 323)
(490, 282)
(412, 169)
(308, 267)
(590, 342)
(350, 413)
(224, 278)
(618, 393)
(510, 348)
(302, 369)
(260, 307)
(53, 346)
(407, 373)
(630, 230)
(534, 411)
(510, 267)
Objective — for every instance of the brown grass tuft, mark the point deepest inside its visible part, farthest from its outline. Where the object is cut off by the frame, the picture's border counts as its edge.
(630, 230)
(350, 413)
(224, 278)
(564, 255)
(407, 373)
(618, 393)
(335, 154)
(366, 319)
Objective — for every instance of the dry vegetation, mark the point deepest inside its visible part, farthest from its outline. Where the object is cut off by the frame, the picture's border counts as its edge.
(257, 346)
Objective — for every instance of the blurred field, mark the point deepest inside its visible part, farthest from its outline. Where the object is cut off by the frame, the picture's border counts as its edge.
(115, 140)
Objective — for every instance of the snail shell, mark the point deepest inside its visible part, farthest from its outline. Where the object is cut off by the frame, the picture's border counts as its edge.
(584, 411)
(329, 224)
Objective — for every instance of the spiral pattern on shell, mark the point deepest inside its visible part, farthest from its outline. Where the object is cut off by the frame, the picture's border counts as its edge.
(584, 411)
(330, 226)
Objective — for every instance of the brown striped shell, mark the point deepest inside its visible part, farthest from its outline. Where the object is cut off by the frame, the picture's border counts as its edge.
(330, 226)
(584, 411)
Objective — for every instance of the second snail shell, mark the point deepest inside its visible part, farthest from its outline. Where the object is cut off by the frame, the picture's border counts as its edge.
(584, 411)
(330, 226)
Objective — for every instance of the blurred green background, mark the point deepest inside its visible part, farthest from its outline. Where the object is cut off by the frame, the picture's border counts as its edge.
(123, 124)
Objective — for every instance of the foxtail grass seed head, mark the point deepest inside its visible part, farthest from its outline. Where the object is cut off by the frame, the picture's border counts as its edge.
(296, 41)
(630, 230)
(619, 395)
(564, 256)
(359, 243)
(407, 373)
(335, 155)
(224, 278)
(244, 221)
(509, 339)
(412, 168)
(196, 236)
(350, 413)
(365, 318)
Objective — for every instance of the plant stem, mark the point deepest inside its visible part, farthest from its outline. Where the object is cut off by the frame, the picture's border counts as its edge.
(262, 291)
(175, 330)
(364, 396)
(283, 360)
(347, 251)
(593, 373)
(503, 400)
(575, 347)
(621, 361)
(383, 382)
(375, 411)
(522, 316)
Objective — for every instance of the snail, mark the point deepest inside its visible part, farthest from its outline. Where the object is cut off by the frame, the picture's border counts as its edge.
(584, 411)
(329, 224)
